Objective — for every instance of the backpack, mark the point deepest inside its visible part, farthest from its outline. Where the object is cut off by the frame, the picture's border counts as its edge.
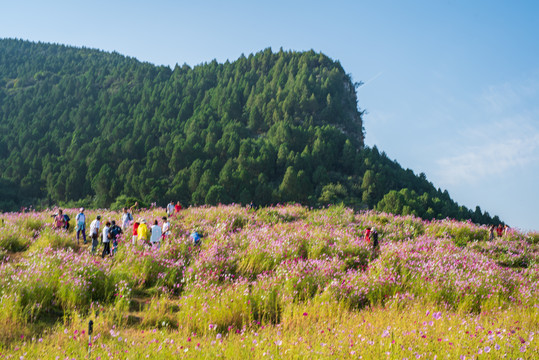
(115, 231)
(196, 238)
(374, 236)
(66, 218)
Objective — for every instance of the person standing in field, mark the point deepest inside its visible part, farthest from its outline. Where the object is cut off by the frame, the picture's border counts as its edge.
(66, 221)
(106, 239)
(81, 225)
(375, 243)
(135, 232)
(156, 232)
(177, 208)
(170, 209)
(94, 232)
(491, 232)
(368, 235)
(499, 230)
(143, 231)
(59, 221)
(126, 219)
(166, 228)
(115, 231)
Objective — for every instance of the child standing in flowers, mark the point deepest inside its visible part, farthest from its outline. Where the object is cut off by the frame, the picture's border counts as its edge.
(106, 239)
(166, 227)
(81, 225)
(94, 232)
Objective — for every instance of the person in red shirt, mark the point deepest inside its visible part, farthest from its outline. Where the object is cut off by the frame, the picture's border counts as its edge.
(135, 232)
(177, 207)
(368, 235)
(499, 230)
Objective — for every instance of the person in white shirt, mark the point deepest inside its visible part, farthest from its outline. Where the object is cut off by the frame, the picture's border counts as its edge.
(170, 209)
(166, 228)
(106, 240)
(81, 225)
(94, 232)
(127, 218)
(155, 238)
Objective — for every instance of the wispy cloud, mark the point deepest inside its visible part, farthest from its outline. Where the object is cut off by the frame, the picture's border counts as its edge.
(493, 158)
(510, 96)
(507, 138)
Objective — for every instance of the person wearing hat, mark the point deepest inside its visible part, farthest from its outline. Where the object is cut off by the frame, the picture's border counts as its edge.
(81, 225)
(94, 232)
(143, 231)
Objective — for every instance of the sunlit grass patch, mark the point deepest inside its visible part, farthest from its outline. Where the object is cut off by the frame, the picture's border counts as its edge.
(281, 282)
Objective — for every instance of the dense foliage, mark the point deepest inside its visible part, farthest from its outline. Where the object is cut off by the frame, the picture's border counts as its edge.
(86, 127)
(286, 281)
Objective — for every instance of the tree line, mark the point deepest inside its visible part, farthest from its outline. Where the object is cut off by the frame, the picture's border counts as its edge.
(83, 126)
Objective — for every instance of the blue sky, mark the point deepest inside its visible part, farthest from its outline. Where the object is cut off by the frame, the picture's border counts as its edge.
(451, 88)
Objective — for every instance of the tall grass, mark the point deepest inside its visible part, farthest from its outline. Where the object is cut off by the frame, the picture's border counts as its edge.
(282, 282)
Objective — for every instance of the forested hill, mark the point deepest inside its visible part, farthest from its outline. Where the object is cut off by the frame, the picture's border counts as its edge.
(83, 126)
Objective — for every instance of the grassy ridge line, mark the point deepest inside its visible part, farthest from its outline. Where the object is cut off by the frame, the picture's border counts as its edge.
(256, 268)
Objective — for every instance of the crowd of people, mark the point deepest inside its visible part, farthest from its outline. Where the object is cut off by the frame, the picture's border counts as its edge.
(109, 234)
(499, 231)
(152, 235)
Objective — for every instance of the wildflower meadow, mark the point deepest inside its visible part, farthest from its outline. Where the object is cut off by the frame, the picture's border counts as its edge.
(283, 282)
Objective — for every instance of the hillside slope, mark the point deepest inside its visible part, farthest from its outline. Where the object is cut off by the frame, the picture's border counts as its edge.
(93, 127)
(274, 274)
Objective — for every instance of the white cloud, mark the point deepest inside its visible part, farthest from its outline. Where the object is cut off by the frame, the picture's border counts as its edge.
(510, 96)
(492, 158)
(503, 135)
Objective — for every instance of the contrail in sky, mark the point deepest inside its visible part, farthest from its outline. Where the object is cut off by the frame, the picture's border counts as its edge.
(373, 78)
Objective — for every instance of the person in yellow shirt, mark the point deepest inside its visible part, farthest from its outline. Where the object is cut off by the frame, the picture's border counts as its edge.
(142, 231)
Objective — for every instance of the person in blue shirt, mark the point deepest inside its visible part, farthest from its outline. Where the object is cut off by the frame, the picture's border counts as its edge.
(81, 225)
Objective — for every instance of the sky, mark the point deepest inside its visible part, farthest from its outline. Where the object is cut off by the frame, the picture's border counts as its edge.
(450, 88)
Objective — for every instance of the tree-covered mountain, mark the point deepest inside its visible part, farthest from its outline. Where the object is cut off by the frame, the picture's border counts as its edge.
(82, 125)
